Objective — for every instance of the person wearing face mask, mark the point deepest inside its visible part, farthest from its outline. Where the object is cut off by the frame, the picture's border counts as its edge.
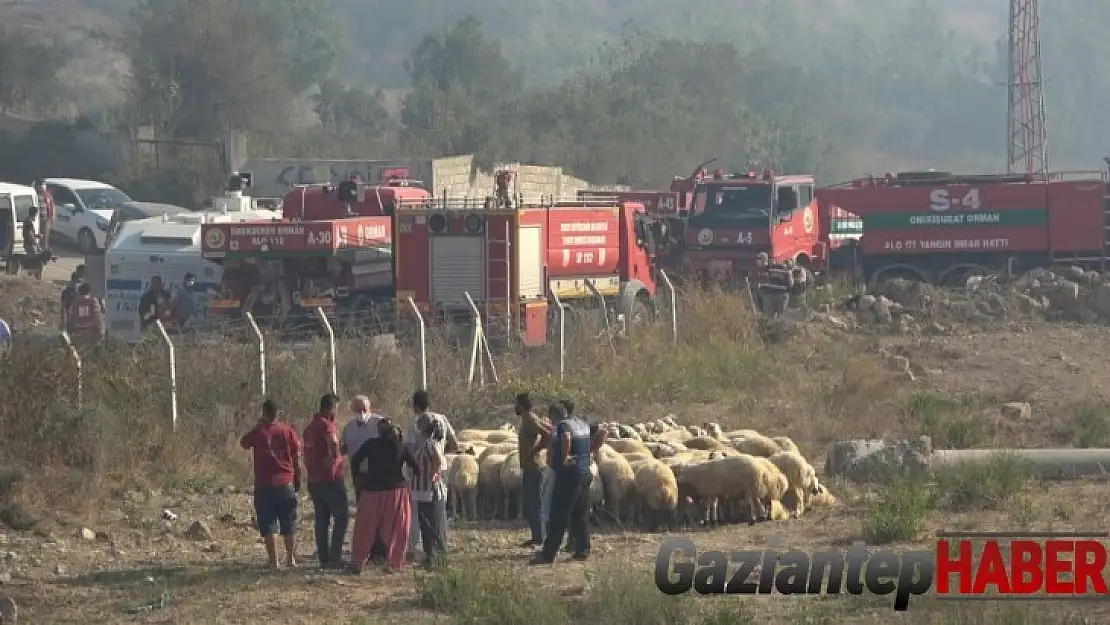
(363, 426)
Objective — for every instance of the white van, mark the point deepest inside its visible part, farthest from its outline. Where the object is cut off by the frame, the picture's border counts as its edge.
(16, 201)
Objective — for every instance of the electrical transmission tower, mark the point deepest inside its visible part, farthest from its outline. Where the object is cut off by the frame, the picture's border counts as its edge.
(1026, 130)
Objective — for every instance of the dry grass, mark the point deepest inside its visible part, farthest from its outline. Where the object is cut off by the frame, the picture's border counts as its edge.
(79, 466)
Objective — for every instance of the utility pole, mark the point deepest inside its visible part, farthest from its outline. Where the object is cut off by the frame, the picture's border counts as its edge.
(1026, 133)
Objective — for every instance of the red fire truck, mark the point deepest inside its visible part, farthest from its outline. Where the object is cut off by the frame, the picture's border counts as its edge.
(940, 227)
(332, 249)
(734, 217)
(663, 206)
(509, 259)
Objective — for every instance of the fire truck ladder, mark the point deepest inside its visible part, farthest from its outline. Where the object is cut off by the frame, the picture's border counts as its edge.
(499, 277)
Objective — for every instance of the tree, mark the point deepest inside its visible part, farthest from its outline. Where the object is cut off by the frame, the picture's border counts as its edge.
(350, 110)
(206, 67)
(309, 35)
(28, 70)
(463, 88)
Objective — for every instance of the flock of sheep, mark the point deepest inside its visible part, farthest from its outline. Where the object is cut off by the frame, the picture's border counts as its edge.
(651, 475)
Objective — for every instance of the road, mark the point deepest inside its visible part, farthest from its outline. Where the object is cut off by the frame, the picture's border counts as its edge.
(68, 259)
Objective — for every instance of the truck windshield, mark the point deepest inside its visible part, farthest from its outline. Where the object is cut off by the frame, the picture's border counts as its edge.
(740, 201)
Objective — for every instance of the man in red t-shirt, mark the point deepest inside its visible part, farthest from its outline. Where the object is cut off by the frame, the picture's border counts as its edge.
(277, 480)
(324, 463)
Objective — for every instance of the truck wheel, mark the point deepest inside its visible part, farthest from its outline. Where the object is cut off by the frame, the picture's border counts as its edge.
(643, 312)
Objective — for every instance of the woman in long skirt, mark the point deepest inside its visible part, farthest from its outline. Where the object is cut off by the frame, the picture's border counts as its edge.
(384, 500)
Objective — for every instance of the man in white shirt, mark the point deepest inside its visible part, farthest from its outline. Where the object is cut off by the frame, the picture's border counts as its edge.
(362, 427)
(421, 404)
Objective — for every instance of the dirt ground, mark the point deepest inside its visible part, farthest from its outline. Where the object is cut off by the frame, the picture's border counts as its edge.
(121, 561)
(131, 557)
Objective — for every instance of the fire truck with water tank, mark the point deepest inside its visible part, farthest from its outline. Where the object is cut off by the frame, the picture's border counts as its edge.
(509, 257)
(732, 218)
(942, 227)
(332, 249)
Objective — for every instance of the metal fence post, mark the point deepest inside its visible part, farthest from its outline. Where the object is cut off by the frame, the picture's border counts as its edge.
(562, 334)
(479, 349)
(604, 312)
(672, 297)
(80, 368)
(323, 317)
(423, 345)
(261, 351)
(171, 358)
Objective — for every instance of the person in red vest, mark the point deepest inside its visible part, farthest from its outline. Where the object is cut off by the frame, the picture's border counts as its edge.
(86, 320)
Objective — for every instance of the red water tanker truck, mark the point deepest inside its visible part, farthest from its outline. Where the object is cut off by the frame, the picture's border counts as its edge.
(942, 227)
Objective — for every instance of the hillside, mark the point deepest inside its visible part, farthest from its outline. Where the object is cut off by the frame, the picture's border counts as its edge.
(908, 83)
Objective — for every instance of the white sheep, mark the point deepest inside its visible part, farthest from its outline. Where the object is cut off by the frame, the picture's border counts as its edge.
(714, 430)
(628, 446)
(498, 449)
(511, 483)
(489, 481)
(802, 478)
(616, 478)
(753, 480)
(656, 492)
(639, 455)
(462, 484)
(785, 443)
(758, 445)
(706, 443)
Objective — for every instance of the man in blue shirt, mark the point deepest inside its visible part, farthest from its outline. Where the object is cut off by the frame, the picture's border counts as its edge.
(572, 443)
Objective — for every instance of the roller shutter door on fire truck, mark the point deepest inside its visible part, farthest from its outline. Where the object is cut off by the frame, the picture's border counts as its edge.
(458, 267)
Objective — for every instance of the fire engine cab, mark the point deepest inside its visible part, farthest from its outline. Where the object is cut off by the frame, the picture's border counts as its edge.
(734, 217)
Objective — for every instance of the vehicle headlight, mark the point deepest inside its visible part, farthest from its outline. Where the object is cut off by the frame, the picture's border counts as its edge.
(103, 225)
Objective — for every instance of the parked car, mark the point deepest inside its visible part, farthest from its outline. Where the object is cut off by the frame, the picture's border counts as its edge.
(84, 210)
(130, 211)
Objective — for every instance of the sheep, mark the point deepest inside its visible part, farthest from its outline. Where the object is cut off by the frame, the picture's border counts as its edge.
(489, 481)
(624, 431)
(706, 443)
(640, 455)
(785, 443)
(801, 476)
(462, 483)
(617, 479)
(656, 492)
(501, 437)
(680, 435)
(756, 446)
(628, 446)
(597, 486)
(661, 450)
(511, 476)
(714, 430)
(500, 449)
(470, 435)
(755, 480)
(740, 434)
(669, 420)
